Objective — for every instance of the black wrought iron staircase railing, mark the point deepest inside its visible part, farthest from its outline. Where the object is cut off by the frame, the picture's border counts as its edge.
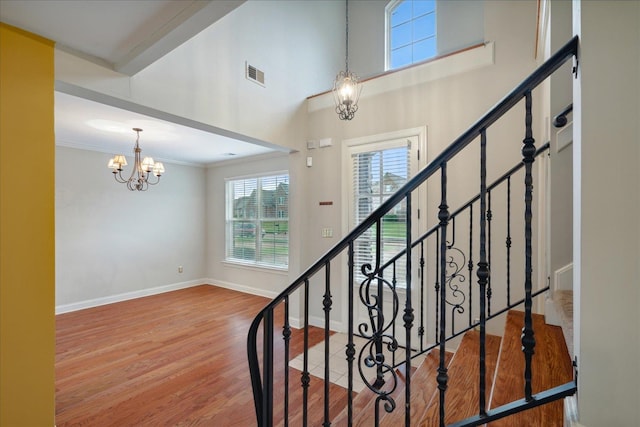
(459, 263)
(442, 261)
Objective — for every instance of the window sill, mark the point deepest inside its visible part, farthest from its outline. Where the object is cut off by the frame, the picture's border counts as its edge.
(438, 68)
(256, 267)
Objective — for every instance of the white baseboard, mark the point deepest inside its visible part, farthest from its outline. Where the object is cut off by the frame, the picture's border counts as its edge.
(295, 322)
(564, 278)
(241, 288)
(81, 305)
(96, 302)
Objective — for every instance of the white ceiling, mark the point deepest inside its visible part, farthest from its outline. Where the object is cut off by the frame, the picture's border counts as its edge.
(85, 124)
(127, 36)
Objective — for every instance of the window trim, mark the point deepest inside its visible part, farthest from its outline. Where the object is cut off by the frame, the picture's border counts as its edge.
(228, 259)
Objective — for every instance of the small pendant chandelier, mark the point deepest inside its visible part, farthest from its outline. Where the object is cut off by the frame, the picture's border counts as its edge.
(346, 89)
(142, 170)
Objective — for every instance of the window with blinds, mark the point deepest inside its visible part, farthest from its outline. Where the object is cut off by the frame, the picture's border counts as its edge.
(378, 171)
(258, 220)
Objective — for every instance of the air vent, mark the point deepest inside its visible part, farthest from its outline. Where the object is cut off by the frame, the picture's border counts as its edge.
(254, 74)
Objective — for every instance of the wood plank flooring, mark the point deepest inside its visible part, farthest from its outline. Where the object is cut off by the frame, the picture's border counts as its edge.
(179, 359)
(174, 359)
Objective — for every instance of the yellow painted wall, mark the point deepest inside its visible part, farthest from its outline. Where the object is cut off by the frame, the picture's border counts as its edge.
(27, 246)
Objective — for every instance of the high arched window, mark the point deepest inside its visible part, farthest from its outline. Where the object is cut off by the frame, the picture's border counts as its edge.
(411, 32)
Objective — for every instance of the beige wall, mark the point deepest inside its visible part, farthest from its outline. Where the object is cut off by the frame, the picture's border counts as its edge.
(606, 211)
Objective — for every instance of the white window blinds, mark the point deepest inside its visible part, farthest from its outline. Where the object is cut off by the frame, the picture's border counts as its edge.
(258, 220)
(378, 173)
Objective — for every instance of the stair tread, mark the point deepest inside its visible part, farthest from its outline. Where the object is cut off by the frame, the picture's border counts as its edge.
(463, 393)
(423, 389)
(551, 367)
(364, 407)
(364, 404)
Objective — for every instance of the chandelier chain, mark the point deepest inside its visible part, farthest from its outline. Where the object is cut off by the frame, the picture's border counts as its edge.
(346, 57)
(346, 88)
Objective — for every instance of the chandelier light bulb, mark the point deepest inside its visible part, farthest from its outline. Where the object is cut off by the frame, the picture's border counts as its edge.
(346, 91)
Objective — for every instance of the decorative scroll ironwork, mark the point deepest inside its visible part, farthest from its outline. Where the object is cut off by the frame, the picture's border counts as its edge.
(372, 354)
(456, 262)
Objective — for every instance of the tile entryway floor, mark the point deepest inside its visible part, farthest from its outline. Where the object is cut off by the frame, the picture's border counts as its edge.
(337, 361)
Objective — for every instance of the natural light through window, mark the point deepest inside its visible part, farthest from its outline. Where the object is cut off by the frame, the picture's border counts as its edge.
(258, 220)
(411, 32)
(377, 174)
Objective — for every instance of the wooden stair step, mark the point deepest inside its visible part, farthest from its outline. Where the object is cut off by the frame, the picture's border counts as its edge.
(423, 388)
(364, 404)
(463, 393)
(551, 367)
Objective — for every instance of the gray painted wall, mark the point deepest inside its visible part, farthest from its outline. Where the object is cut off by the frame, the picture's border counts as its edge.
(111, 241)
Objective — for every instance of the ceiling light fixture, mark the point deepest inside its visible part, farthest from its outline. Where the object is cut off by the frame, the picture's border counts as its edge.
(139, 179)
(346, 89)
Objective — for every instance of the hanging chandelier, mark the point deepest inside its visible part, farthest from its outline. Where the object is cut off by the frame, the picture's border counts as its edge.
(142, 170)
(346, 89)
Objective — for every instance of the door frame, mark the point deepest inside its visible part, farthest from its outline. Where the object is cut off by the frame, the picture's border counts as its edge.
(418, 132)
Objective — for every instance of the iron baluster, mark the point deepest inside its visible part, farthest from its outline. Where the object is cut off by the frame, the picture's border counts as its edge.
(380, 303)
(267, 406)
(421, 327)
(470, 265)
(350, 351)
(393, 321)
(508, 241)
(408, 315)
(286, 336)
(489, 218)
(437, 285)
(443, 216)
(326, 302)
(483, 271)
(528, 339)
(304, 377)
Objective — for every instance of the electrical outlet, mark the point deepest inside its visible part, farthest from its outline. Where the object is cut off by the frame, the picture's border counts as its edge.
(180, 269)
